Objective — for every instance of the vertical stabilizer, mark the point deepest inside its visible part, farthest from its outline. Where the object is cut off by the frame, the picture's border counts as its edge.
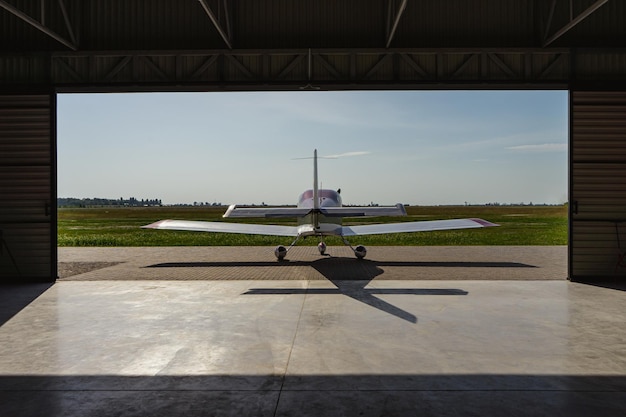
(316, 194)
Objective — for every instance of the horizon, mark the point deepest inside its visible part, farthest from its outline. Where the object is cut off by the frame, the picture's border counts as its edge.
(149, 203)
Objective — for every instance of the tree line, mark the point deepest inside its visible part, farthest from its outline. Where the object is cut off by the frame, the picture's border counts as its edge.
(99, 202)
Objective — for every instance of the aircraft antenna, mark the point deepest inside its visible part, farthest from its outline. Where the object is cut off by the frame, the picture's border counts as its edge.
(316, 194)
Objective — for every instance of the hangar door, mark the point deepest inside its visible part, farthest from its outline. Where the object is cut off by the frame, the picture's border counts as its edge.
(597, 185)
(27, 188)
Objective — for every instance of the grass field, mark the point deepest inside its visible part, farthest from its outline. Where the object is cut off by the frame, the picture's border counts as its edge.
(519, 225)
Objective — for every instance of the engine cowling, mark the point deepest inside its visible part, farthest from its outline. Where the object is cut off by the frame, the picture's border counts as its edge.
(280, 252)
(360, 251)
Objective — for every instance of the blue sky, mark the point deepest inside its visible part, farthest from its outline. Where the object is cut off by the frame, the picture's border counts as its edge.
(414, 147)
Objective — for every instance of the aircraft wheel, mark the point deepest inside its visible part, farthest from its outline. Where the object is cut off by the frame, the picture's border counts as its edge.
(360, 252)
(322, 248)
(280, 252)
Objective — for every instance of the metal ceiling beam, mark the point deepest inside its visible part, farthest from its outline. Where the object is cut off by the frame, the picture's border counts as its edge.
(227, 19)
(11, 9)
(574, 22)
(225, 36)
(68, 24)
(391, 30)
(550, 17)
(304, 69)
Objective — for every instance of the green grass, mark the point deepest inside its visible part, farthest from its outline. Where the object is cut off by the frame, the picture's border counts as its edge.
(527, 225)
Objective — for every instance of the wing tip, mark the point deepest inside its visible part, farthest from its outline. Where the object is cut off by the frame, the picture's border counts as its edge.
(484, 223)
(155, 225)
(230, 210)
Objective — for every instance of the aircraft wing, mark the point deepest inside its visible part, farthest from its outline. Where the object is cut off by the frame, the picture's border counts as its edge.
(267, 212)
(224, 227)
(423, 226)
(397, 210)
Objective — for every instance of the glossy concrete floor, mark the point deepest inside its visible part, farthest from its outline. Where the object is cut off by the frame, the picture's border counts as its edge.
(313, 347)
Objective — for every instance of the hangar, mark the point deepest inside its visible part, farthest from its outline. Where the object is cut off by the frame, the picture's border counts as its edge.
(52, 47)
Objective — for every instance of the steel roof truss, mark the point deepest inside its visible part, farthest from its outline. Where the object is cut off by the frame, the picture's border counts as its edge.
(500, 64)
(240, 66)
(464, 65)
(551, 66)
(41, 26)
(205, 65)
(225, 7)
(328, 66)
(68, 24)
(393, 18)
(70, 70)
(572, 21)
(224, 34)
(549, 22)
(117, 68)
(290, 67)
(414, 65)
(154, 67)
(376, 66)
(355, 66)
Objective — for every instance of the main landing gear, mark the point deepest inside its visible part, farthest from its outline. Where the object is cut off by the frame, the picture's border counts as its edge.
(360, 251)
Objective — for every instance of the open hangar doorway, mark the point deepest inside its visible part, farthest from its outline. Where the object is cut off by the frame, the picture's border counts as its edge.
(594, 184)
(428, 148)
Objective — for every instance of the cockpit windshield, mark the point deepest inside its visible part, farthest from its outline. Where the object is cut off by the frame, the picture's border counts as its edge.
(328, 198)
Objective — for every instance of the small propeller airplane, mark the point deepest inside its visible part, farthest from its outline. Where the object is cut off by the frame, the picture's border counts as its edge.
(319, 213)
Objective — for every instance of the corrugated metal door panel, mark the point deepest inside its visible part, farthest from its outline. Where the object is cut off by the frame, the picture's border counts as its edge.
(596, 248)
(32, 101)
(25, 133)
(597, 184)
(26, 253)
(599, 190)
(27, 191)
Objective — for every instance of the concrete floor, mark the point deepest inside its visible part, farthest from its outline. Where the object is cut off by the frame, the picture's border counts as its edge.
(310, 347)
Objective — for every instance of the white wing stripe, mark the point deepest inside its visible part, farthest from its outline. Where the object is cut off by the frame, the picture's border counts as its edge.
(424, 226)
(267, 212)
(397, 210)
(224, 227)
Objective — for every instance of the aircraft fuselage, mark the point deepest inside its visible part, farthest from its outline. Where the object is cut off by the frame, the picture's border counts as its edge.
(316, 223)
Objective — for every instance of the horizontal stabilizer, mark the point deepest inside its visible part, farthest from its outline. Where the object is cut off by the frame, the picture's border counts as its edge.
(224, 227)
(397, 210)
(266, 212)
(424, 226)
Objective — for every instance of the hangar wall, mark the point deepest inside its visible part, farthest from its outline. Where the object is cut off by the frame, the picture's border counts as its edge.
(597, 184)
(28, 188)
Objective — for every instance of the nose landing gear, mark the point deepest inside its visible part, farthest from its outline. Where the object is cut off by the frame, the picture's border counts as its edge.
(321, 247)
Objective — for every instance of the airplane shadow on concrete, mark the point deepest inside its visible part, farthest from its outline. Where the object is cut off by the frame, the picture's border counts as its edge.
(336, 266)
(357, 290)
(351, 278)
